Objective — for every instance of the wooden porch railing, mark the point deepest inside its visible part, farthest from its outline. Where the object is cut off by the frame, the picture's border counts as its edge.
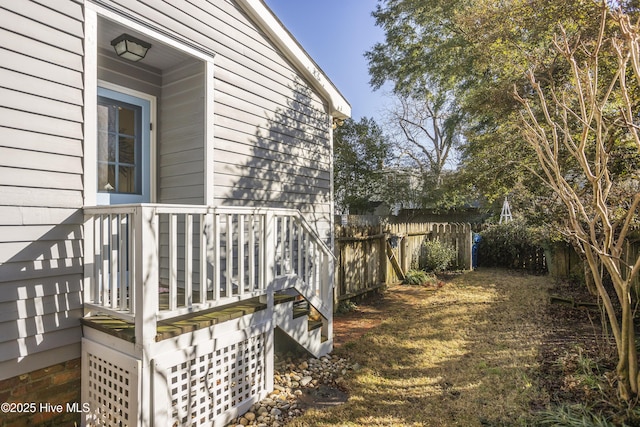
(150, 262)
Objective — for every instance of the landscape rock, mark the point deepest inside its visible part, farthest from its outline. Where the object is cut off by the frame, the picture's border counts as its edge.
(288, 400)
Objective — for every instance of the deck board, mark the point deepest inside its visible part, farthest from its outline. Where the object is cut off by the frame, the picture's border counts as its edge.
(178, 325)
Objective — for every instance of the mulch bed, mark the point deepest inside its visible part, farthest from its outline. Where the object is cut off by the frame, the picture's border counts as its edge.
(369, 314)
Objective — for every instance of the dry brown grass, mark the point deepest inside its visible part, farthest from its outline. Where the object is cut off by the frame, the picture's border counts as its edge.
(465, 355)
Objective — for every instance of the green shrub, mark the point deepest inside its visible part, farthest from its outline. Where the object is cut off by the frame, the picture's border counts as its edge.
(511, 244)
(438, 255)
(346, 306)
(415, 277)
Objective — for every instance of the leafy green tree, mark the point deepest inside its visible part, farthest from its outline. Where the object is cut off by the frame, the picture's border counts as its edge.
(578, 94)
(360, 151)
(476, 50)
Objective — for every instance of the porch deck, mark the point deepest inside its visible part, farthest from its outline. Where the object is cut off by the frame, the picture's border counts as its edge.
(191, 296)
(177, 325)
(189, 323)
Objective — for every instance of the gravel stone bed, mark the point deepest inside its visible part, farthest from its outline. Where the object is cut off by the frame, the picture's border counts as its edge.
(299, 384)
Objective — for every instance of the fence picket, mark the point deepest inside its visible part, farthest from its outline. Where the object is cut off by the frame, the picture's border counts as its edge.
(364, 262)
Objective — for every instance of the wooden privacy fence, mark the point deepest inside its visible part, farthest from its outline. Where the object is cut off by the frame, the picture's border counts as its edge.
(370, 256)
(563, 261)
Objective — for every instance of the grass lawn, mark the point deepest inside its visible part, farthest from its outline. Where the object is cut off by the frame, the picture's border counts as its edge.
(468, 354)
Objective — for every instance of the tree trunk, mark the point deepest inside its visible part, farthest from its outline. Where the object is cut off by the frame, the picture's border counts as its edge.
(588, 280)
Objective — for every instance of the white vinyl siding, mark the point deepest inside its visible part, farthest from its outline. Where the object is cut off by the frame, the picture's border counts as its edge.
(40, 184)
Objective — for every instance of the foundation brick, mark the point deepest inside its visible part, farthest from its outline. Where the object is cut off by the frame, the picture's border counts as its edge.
(56, 384)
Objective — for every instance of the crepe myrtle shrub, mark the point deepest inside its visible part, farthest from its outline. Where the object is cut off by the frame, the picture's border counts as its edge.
(438, 255)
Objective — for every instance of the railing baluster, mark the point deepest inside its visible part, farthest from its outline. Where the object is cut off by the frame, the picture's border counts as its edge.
(113, 270)
(268, 249)
(216, 258)
(300, 242)
(307, 267)
(188, 260)
(97, 259)
(252, 253)
(104, 288)
(241, 272)
(132, 263)
(204, 220)
(290, 246)
(281, 221)
(316, 270)
(173, 261)
(263, 265)
(229, 249)
(122, 261)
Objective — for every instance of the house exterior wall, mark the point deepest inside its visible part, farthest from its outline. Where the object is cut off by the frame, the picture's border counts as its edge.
(41, 133)
(129, 74)
(181, 135)
(271, 149)
(272, 130)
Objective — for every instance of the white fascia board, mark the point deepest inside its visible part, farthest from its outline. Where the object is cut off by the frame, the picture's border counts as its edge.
(270, 24)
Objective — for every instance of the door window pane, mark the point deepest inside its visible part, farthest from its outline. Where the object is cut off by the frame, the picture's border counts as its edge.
(127, 150)
(119, 146)
(103, 178)
(127, 121)
(126, 179)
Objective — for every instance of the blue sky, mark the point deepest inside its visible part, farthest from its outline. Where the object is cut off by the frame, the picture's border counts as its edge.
(336, 33)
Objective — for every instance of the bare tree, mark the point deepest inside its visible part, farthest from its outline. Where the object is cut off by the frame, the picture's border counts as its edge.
(580, 130)
(429, 125)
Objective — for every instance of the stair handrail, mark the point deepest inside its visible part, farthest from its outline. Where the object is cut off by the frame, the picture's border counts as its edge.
(325, 254)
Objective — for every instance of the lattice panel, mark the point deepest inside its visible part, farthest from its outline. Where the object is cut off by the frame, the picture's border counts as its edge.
(110, 387)
(208, 385)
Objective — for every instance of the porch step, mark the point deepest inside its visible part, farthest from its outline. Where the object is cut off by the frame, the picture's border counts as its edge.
(293, 318)
(283, 297)
(300, 309)
(179, 325)
(314, 324)
(300, 306)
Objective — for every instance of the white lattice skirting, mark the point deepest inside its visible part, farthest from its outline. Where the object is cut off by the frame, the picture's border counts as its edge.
(208, 384)
(111, 385)
(205, 384)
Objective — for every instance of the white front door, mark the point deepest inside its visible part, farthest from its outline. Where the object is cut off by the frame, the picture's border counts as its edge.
(124, 148)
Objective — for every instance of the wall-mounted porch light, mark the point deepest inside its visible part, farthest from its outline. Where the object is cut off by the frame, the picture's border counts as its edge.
(129, 47)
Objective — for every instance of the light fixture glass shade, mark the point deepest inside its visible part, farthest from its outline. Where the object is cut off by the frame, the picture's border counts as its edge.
(129, 47)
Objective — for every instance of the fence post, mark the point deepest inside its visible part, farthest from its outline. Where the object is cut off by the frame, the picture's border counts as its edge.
(468, 245)
(337, 266)
(382, 251)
